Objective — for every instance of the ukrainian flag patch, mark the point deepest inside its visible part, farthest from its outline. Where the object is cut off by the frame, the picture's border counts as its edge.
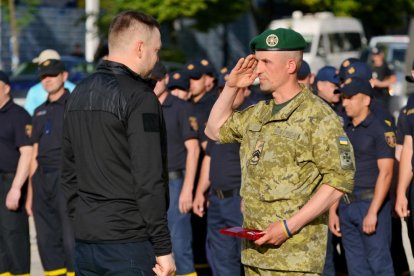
(343, 141)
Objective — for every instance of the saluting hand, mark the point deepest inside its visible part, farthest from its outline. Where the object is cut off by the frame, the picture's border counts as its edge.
(243, 74)
(274, 234)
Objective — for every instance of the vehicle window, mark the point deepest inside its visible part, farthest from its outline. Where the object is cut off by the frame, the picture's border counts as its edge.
(344, 42)
(308, 38)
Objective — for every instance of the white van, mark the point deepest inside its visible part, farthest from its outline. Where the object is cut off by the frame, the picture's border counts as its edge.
(330, 39)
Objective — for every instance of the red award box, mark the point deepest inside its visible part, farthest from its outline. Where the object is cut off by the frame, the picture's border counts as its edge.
(238, 231)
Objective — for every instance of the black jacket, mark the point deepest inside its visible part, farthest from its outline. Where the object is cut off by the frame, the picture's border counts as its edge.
(114, 171)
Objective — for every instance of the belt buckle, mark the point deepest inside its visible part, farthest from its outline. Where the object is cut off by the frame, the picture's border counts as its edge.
(220, 194)
(346, 199)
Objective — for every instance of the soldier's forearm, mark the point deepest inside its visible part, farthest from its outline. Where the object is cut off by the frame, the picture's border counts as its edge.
(321, 201)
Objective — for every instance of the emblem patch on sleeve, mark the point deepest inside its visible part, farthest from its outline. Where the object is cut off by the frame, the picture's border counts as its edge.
(193, 123)
(257, 152)
(28, 130)
(345, 155)
(390, 139)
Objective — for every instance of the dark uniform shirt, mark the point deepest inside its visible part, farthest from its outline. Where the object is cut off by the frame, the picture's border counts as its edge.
(225, 170)
(372, 140)
(47, 131)
(402, 126)
(202, 111)
(181, 125)
(15, 128)
(381, 73)
(410, 120)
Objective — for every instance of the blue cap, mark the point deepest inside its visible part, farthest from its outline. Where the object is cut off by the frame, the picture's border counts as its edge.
(224, 74)
(327, 73)
(304, 70)
(357, 69)
(4, 77)
(355, 85)
(178, 79)
(197, 68)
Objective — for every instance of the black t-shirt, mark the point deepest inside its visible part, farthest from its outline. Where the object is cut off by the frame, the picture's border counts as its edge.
(181, 125)
(47, 131)
(15, 130)
(372, 139)
(202, 111)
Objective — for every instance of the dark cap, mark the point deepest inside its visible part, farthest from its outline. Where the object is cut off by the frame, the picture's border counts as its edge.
(224, 75)
(410, 78)
(280, 39)
(353, 86)
(178, 79)
(159, 71)
(304, 70)
(4, 78)
(194, 70)
(376, 51)
(51, 67)
(207, 67)
(327, 73)
(357, 69)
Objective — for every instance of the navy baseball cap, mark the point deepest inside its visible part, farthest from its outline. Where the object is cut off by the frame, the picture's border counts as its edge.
(357, 69)
(224, 74)
(4, 78)
(327, 73)
(178, 79)
(51, 67)
(304, 70)
(355, 85)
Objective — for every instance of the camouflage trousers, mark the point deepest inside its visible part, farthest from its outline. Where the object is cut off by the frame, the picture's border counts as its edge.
(254, 271)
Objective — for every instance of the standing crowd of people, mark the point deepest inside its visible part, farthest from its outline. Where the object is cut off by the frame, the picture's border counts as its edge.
(113, 168)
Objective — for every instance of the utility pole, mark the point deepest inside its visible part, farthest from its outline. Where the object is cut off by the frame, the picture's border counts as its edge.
(92, 34)
(14, 36)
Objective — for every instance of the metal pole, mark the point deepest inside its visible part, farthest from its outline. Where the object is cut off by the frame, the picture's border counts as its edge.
(92, 35)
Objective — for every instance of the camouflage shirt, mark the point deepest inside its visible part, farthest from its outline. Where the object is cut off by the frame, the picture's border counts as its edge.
(285, 157)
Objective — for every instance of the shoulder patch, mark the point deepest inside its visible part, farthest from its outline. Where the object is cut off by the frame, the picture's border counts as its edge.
(390, 139)
(28, 130)
(345, 153)
(193, 123)
(410, 111)
(387, 122)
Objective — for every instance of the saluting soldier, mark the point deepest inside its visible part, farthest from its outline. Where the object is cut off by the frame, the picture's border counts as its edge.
(294, 161)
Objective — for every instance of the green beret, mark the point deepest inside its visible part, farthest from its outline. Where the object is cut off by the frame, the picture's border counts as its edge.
(278, 40)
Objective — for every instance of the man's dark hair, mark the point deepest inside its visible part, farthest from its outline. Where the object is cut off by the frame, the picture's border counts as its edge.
(123, 21)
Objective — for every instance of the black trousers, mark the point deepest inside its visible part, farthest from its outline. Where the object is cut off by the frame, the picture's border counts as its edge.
(55, 238)
(14, 232)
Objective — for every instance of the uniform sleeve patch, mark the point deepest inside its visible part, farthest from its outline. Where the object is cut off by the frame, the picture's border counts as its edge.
(151, 122)
(345, 153)
(390, 139)
(28, 130)
(193, 123)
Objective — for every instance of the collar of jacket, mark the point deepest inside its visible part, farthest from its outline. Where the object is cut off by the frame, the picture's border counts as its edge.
(121, 69)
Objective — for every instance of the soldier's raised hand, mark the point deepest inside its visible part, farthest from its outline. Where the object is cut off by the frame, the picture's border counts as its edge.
(243, 74)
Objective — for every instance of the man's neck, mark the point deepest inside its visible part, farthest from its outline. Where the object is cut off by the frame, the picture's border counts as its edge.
(4, 101)
(361, 117)
(286, 93)
(53, 97)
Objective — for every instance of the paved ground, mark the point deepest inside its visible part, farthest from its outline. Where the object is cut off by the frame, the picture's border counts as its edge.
(36, 266)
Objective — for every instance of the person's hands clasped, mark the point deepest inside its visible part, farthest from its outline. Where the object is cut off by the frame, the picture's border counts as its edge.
(274, 234)
(243, 74)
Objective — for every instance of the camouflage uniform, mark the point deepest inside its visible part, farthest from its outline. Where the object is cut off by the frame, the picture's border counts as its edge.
(285, 157)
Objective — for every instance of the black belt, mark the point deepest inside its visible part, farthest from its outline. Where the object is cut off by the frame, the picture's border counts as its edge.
(221, 194)
(349, 198)
(173, 175)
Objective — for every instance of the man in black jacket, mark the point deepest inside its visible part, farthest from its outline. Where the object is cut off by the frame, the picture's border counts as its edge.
(114, 168)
